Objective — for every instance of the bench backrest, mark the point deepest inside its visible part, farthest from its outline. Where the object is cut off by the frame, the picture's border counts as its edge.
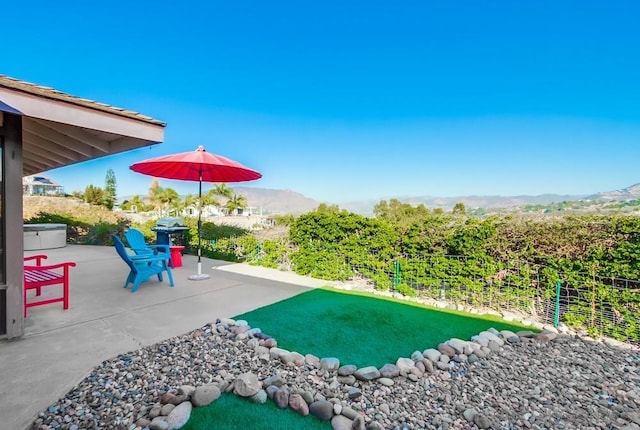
(137, 242)
(122, 252)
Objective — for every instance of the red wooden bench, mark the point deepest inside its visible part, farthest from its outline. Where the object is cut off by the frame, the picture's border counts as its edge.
(38, 276)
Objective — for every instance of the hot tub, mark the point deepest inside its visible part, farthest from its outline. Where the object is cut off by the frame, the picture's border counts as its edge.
(44, 236)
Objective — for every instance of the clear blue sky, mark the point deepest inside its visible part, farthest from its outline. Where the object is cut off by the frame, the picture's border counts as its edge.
(350, 100)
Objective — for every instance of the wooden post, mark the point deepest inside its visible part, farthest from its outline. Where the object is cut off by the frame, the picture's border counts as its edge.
(11, 135)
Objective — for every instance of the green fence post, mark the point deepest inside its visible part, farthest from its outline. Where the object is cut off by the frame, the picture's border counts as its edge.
(556, 316)
(396, 276)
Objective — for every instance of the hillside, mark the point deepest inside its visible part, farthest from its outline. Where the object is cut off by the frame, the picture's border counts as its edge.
(446, 203)
(33, 205)
(630, 193)
(277, 201)
(273, 201)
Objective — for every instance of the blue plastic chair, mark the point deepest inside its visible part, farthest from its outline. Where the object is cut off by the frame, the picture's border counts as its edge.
(142, 266)
(137, 243)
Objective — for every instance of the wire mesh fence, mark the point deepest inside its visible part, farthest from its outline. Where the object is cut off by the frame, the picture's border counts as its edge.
(598, 305)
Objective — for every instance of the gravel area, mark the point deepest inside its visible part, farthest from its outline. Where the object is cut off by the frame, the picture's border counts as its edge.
(539, 382)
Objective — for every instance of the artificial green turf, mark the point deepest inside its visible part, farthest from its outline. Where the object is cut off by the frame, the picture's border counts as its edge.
(360, 329)
(231, 412)
(357, 328)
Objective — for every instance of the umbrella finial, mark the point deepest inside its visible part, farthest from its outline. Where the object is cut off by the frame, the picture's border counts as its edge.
(201, 148)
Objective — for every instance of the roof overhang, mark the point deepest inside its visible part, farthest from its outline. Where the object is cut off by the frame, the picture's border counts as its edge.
(59, 129)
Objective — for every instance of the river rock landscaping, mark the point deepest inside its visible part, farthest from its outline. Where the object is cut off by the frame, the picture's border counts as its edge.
(498, 380)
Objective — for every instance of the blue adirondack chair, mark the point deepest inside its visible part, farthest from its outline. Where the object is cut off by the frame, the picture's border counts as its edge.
(142, 266)
(137, 243)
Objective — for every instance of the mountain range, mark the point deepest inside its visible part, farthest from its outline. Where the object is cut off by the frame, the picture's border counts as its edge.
(630, 193)
(291, 202)
(276, 201)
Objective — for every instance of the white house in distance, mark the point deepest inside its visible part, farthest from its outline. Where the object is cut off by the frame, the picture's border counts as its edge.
(39, 185)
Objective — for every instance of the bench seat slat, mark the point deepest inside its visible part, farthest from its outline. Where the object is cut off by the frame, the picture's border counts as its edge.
(39, 276)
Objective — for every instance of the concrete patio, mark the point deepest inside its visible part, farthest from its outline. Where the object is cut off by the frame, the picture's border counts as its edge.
(61, 347)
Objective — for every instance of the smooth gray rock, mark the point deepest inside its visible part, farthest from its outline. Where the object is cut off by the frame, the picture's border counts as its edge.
(417, 356)
(159, 423)
(428, 366)
(247, 385)
(506, 334)
(494, 346)
(354, 393)
(457, 344)
(312, 360)
(513, 339)
(281, 398)
(271, 390)
(275, 380)
(367, 373)
(469, 414)
(179, 416)
(405, 364)
(276, 353)
(259, 397)
(329, 363)
(293, 357)
(446, 350)
(481, 421)
(358, 423)
(346, 380)
(205, 395)
(442, 365)
(491, 336)
(298, 404)
(166, 409)
(187, 390)
(432, 354)
(322, 409)
(389, 371)
(347, 369)
(387, 382)
(340, 422)
(349, 413)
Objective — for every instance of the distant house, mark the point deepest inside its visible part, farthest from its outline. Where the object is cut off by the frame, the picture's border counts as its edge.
(40, 186)
(207, 211)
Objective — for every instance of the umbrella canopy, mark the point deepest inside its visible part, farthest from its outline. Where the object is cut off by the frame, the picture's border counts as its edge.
(198, 165)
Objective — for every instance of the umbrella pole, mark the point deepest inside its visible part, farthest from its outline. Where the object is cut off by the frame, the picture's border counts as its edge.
(199, 276)
(199, 224)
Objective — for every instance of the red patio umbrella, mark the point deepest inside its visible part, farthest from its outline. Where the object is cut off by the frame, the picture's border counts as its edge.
(201, 166)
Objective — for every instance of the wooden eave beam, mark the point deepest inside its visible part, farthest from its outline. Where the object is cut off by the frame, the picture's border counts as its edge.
(39, 157)
(63, 142)
(34, 166)
(39, 145)
(125, 143)
(78, 135)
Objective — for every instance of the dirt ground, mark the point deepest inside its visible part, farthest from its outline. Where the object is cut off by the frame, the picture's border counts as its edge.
(32, 205)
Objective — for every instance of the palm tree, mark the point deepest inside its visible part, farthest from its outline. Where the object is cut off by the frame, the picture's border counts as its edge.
(170, 198)
(223, 190)
(220, 190)
(210, 198)
(155, 196)
(236, 202)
